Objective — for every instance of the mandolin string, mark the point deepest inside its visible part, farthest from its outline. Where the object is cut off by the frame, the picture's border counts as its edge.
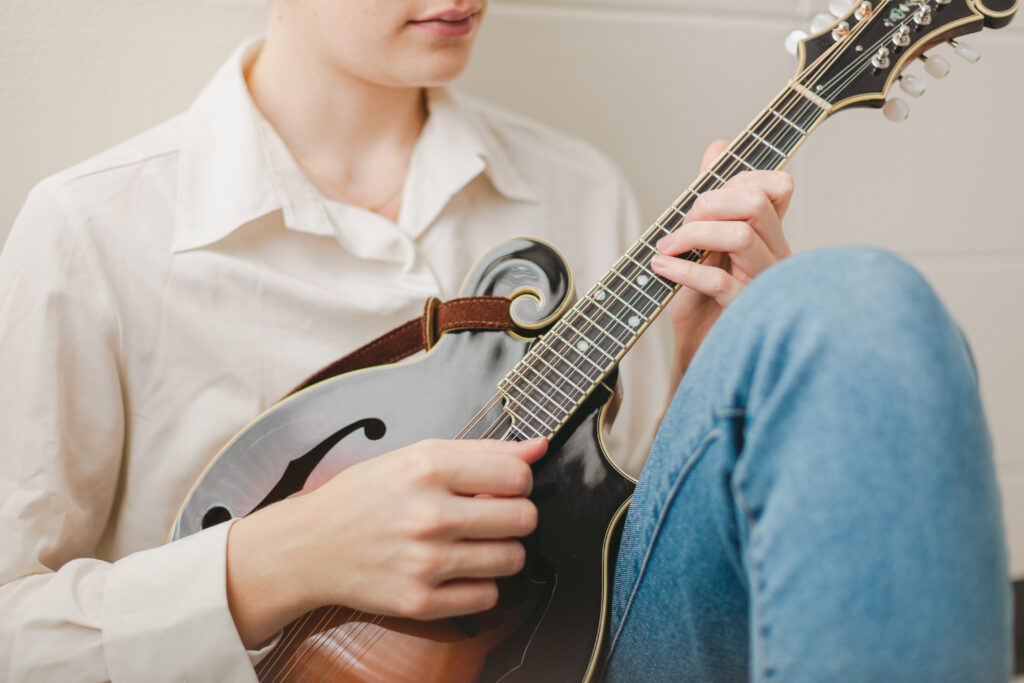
(632, 301)
(295, 653)
(347, 656)
(372, 641)
(732, 166)
(742, 142)
(819, 65)
(347, 641)
(321, 633)
(581, 329)
(497, 397)
(321, 637)
(728, 167)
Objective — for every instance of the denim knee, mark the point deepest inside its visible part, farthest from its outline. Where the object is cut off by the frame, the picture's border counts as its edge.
(866, 304)
(842, 281)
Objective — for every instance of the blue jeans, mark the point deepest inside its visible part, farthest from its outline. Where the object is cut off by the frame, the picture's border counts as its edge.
(820, 503)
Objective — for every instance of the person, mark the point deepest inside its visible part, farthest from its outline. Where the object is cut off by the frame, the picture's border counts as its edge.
(819, 502)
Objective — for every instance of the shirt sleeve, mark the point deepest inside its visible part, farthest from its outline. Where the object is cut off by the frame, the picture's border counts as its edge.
(644, 372)
(158, 614)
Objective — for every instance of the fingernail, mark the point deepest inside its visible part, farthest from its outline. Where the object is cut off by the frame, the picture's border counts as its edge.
(664, 242)
(660, 261)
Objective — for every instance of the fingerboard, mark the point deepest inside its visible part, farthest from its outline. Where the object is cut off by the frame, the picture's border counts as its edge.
(551, 381)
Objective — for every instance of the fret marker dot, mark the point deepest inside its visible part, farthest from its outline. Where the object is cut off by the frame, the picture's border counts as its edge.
(583, 346)
(634, 321)
(643, 280)
(600, 295)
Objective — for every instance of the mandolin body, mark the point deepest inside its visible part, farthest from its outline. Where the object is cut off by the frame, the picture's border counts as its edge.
(550, 619)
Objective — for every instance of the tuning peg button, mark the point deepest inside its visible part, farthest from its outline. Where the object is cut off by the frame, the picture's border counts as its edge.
(896, 110)
(840, 8)
(793, 41)
(821, 22)
(966, 52)
(912, 85)
(937, 67)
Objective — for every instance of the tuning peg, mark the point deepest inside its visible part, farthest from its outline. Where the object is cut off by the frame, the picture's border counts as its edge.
(936, 67)
(896, 110)
(966, 52)
(792, 42)
(840, 8)
(821, 22)
(912, 85)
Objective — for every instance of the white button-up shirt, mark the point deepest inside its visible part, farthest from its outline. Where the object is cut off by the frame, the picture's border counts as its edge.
(156, 298)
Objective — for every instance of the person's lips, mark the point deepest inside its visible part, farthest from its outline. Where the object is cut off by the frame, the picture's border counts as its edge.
(452, 23)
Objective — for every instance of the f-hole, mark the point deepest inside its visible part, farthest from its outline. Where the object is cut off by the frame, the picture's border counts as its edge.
(298, 470)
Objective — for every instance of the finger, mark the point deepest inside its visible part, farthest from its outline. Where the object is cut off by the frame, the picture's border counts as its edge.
(471, 467)
(744, 246)
(484, 560)
(709, 280)
(532, 448)
(496, 474)
(746, 204)
(713, 151)
(492, 517)
(462, 596)
(776, 184)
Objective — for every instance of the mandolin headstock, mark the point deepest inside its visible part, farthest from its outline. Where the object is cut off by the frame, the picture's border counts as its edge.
(856, 61)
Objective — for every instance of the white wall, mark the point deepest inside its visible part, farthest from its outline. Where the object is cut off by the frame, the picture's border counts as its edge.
(649, 81)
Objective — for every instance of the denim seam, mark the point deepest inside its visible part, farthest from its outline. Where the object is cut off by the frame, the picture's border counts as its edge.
(754, 571)
(698, 452)
(756, 609)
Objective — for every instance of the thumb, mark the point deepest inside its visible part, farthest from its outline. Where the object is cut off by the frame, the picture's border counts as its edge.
(531, 451)
(713, 151)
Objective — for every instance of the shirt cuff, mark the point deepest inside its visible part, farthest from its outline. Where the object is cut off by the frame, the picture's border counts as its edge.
(166, 617)
(256, 656)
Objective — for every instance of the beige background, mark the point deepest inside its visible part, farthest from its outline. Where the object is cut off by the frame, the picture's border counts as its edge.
(650, 82)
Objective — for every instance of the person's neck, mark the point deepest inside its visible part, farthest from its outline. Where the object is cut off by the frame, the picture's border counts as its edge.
(352, 138)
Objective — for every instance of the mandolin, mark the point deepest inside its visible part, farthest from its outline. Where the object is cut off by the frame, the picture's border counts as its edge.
(552, 376)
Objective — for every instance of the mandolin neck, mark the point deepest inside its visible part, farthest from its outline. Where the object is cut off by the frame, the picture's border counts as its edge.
(544, 389)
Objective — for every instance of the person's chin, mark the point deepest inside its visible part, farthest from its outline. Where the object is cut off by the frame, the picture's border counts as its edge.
(441, 69)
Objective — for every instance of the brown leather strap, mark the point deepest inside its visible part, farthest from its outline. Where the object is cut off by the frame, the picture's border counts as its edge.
(469, 313)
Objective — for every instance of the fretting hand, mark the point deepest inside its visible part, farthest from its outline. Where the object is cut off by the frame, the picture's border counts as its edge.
(741, 223)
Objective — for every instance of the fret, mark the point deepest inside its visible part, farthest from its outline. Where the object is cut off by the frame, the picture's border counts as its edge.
(587, 342)
(558, 372)
(525, 420)
(536, 384)
(645, 241)
(518, 427)
(661, 227)
(596, 346)
(717, 177)
(582, 353)
(645, 271)
(624, 324)
(773, 148)
(537, 403)
(642, 292)
(742, 161)
(626, 303)
(808, 94)
(642, 266)
(778, 115)
(562, 333)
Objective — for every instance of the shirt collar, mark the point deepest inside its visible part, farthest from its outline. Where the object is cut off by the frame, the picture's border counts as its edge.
(235, 168)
